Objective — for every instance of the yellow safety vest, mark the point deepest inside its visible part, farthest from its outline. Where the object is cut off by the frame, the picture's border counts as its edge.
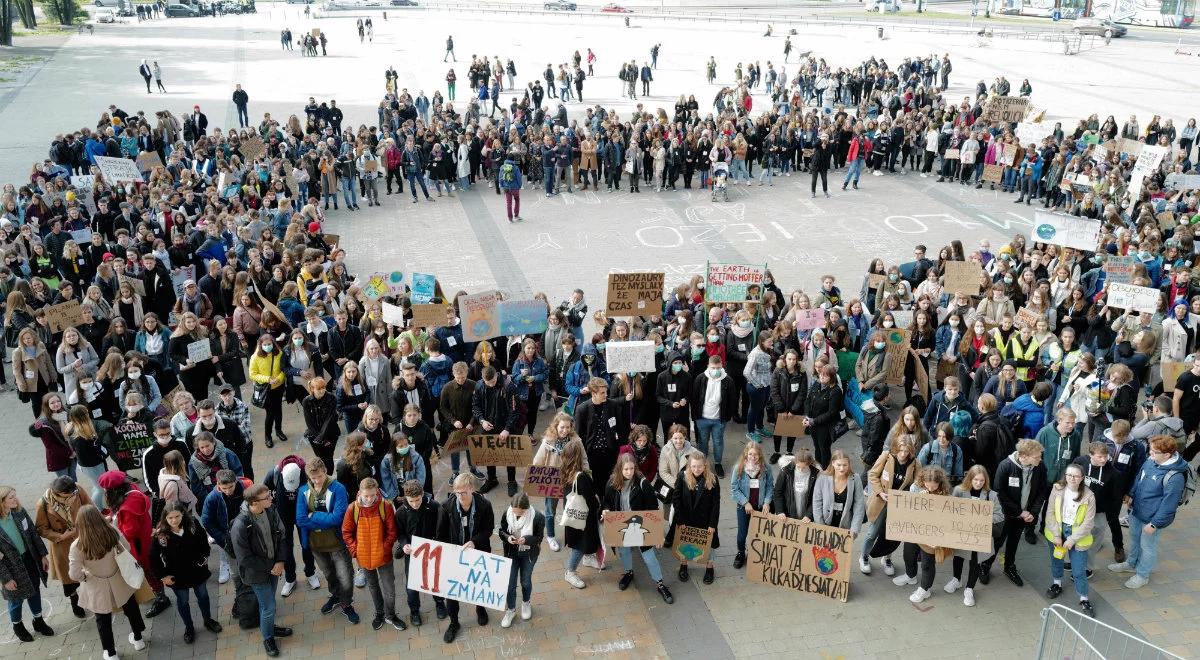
(1080, 513)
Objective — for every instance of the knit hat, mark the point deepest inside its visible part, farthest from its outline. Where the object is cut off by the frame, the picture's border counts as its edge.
(111, 479)
(291, 476)
(314, 227)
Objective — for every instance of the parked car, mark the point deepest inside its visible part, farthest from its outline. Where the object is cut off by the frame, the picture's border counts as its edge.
(106, 16)
(614, 8)
(1099, 26)
(560, 5)
(181, 11)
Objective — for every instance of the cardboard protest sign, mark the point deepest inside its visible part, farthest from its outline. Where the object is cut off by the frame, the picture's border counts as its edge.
(1006, 109)
(902, 317)
(515, 450)
(523, 317)
(429, 316)
(376, 286)
(625, 356)
(897, 349)
(138, 286)
(634, 529)
(1027, 318)
(993, 173)
(1065, 230)
(803, 557)
(1178, 181)
(692, 544)
(392, 314)
(1166, 220)
(1129, 296)
(734, 283)
(953, 154)
(808, 319)
(181, 275)
(316, 33)
(634, 294)
(480, 315)
(1128, 146)
(1171, 371)
(131, 438)
(117, 170)
(790, 426)
(1118, 269)
(1006, 154)
(332, 240)
(451, 571)
(83, 181)
(199, 351)
(64, 315)
(940, 521)
(455, 443)
(543, 481)
(962, 276)
(148, 160)
(424, 288)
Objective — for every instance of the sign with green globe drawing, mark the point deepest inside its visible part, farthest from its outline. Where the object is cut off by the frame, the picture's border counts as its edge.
(692, 544)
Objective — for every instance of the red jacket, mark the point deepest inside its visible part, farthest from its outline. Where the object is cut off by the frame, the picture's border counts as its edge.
(648, 466)
(133, 520)
(58, 449)
(394, 155)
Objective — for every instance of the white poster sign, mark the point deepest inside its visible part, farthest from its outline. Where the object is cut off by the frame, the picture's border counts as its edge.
(1066, 230)
(1033, 133)
(463, 574)
(1129, 296)
(393, 315)
(626, 356)
(1148, 160)
(116, 170)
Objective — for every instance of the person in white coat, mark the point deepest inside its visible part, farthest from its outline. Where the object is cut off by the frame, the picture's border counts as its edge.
(1178, 334)
(370, 170)
(464, 163)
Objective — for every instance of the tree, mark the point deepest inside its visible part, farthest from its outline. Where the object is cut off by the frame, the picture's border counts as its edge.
(6, 19)
(25, 9)
(63, 11)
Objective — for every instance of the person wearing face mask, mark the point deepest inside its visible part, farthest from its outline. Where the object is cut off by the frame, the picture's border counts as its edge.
(738, 343)
(870, 370)
(225, 431)
(672, 389)
(50, 428)
(266, 372)
(529, 374)
(590, 366)
(152, 456)
(713, 404)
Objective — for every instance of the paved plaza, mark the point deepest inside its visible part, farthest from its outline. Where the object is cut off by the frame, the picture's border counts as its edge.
(575, 240)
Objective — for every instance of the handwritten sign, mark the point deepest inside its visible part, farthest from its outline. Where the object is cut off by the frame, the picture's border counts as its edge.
(634, 294)
(148, 160)
(523, 317)
(789, 426)
(393, 314)
(809, 319)
(962, 276)
(424, 288)
(626, 356)
(1033, 132)
(376, 286)
(64, 315)
(1179, 181)
(902, 317)
(131, 438)
(515, 450)
(199, 351)
(82, 237)
(463, 574)
(181, 275)
(116, 170)
(455, 443)
(1119, 269)
(1006, 109)
(897, 350)
(993, 173)
(543, 481)
(253, 149)
(692, 544)
(480, 315)
(1065, 230)
(734, 283)
(804, 557)
(1148, 160)
(1027, 318)
(633, 529)
(429, 316)
(940, 521)
(1171, 371)
(1129, 296)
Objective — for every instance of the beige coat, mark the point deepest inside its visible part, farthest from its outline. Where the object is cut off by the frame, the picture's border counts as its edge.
(59, 532)
(885, 463)
(40, 362)
(102, 590)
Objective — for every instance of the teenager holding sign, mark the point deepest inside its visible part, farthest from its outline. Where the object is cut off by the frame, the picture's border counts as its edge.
(465, 519)
(629, 490)
(697, 501)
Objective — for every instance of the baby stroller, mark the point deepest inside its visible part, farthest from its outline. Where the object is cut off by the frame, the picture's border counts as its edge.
(720, 177)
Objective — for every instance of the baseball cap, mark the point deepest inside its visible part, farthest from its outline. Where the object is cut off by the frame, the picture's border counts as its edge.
(291, 476)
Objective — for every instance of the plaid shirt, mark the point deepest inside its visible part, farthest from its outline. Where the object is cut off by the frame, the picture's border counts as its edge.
(239, 413)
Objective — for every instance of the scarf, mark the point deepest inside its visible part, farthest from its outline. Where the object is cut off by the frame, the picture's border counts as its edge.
(520, 526)
(640, 454)
(60, 508)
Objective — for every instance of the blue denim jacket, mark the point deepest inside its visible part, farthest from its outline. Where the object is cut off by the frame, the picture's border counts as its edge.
(739, 487)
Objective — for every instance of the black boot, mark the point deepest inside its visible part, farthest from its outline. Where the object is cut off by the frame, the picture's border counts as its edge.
(161, 604)
(39, 624)
(21, 633)
(76, 609)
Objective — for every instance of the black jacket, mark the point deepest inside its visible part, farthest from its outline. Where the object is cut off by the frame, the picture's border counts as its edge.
(347, 344)
(226, 431)
(824, 405)
(412, 522)
(728, 398)
(450, 528)
(1106, 482)
(789, 391)
(533, 542)
(1008, 482)
(992, 442)
(184, 558)
(700, 507)
(878, 426)
(321, 419)
(250, 550)
(425, 400)
(641, 497)
(783, 499)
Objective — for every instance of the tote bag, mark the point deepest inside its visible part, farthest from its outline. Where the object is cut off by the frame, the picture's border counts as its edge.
(131, 572)
(575, 509)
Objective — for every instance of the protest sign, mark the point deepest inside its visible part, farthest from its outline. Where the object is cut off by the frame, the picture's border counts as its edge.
(1033, 133)
(993, 173)
(148, 160)
(423, 288)
(395, 282)
(1035, 114)
(82, 237)
(116, 170)
(940, 521)
(376, 286)
(131, 438)
(83, 181)
(1148, 160)
(138, 286)
(1118, 269)
(393, 314)
(634, 294)
(1171, 371)
(1006, 109)
(902, 317)
(331, 240)
(455, 443)
(181, 275)
(962, 276)
(543, 481)
(799, 556)
(64, 315)
(523, 317)
(1128, 146)
(625, 356)
(808, 319)
(1166, 220)
(1027, 318)
(1178, 181)
(692, 544)
(875, 280)
(253, 148)
(429, 316)
(1065, 230)
(316, 33)
(633, 529)
(953, 154)
(480, 315)
(199, 351)
(897, 349)
(789, 426)
(451, 571)
(1129, 296)
(1006, 154)
(515, 450)
(734, 283)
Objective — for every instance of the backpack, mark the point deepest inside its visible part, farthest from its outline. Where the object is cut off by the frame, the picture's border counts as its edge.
(1189, 486)
(1014, 423)
(507, 173)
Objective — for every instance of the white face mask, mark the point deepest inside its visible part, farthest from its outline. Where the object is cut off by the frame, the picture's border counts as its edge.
(135, 373)
(888, 324)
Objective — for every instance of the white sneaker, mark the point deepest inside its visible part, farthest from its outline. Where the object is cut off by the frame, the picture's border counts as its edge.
(952, 586)
(544, 405)
(223, 576)
(920, 595)
(591, 561)
(1136, 582)
(509, 615)
(924, 175)
(314, 582)
(574, 580)
(969, 597)
(106, 656)
(360, 578)
(288, 588)
(864, 564)
(553, 543)
(1122, 567)
(137, 644)
(903, 580)
(889, 568)
(526, 611)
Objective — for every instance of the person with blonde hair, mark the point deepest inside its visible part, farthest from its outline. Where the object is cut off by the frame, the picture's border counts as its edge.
(465, 519)
(976, 485)
(697, 503)
(837, 501)
(23, 565)
(102, 589)
(893, 470)
(1021, 488)
(932, 481)
(751, 487)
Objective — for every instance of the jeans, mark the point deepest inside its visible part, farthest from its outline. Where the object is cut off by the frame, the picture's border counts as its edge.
(649, 555)
(743, 530)
(872, 530)
(289, 560)
(714, 430)
(349, 192)
(559, 172)
(265, 593)
(1143, 547)
(130, 608)
(94, 473)
(185, 609)
(415, 179)
(512, 202)
(853, 173)
(381, 582)
(737, 170)
(456, 460)
(548, 180)
(768, 166)
(1079, 560)
(522, 569)
(68, 471)
(243, 116)
(573, 559)
(35, 599)
(371, 187)
(758, 404)
(551, 506)
(339, 572)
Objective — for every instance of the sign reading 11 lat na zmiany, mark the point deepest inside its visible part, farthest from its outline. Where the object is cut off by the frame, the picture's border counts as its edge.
(468, 575)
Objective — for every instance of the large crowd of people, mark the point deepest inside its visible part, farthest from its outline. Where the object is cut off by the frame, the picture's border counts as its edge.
(1062, 420)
